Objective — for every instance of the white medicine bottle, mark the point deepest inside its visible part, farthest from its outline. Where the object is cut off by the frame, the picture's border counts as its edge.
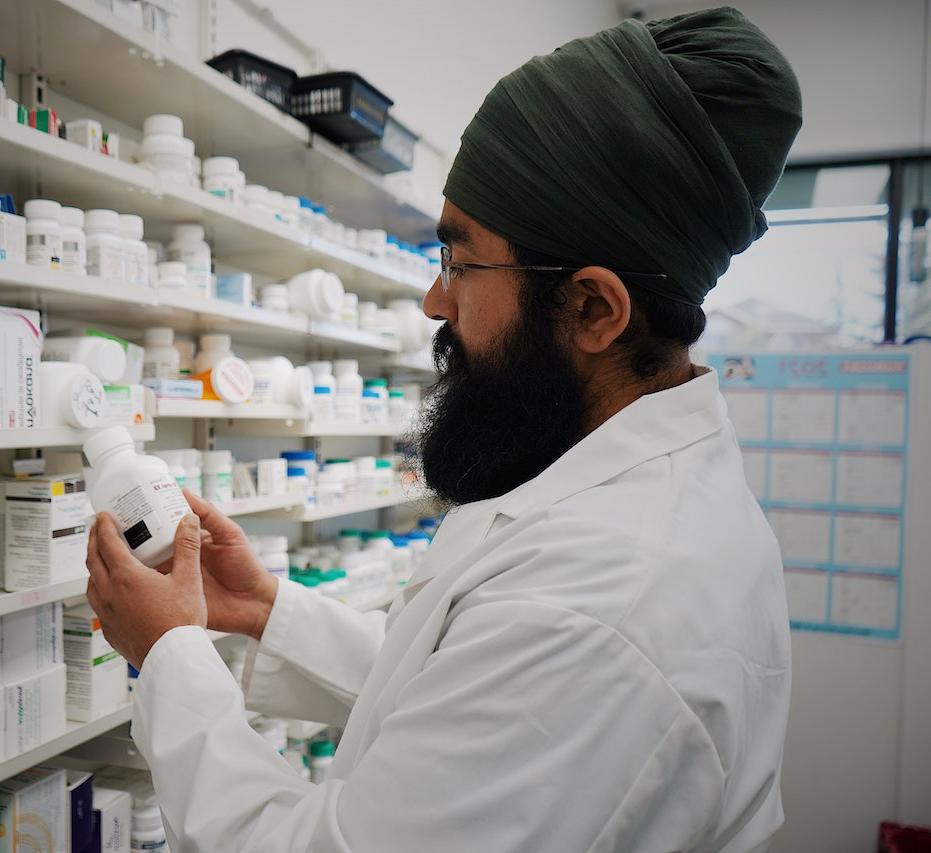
(323, 406)
(43, 233)
(138, 491)
(348, 402)
(73, 241)
(104, 245)
(135, 251)
(161, 359)
(212, 349)
(188, 247)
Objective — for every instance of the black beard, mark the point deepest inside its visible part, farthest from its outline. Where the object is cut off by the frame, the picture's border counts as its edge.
(496, 421)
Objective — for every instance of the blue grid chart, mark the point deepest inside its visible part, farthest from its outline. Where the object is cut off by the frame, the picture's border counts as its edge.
(825, 444)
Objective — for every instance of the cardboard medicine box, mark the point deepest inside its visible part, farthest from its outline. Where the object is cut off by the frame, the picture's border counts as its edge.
(34, 711)
(30, 641)
(20, 352)
(46, 531)
(34, 811)
(97, 682)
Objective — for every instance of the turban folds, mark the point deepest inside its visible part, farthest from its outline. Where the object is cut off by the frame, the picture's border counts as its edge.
(646, 147)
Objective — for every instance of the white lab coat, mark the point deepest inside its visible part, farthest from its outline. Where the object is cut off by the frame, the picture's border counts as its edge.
(596, 661)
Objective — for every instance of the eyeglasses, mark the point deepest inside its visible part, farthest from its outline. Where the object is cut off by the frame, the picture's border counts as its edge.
(447, 264)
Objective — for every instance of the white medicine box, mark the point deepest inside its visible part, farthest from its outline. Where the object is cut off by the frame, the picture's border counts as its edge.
(12, 238)
(30, 642)
(20, 352)
(34, 811)
(33, 711)
(97, 674)
(112, 818)
(46, 531)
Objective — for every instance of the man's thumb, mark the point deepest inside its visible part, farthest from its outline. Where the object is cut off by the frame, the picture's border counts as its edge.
(186, 561)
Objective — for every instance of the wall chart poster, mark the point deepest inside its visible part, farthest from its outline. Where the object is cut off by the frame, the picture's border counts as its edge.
(825, 443)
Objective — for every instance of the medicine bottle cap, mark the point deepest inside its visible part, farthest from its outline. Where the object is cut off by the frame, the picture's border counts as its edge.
(72, 217)
(345, 365)
(320, 368)
(172, 125)
(188, 145)
(214, 459)
(377, 383)
(395, 393)
(107, 359)
(380, 534)
(273, 544)
(107, 221)
(188, 233)
(383, 463)
(322, 749)
(220, 166)
(350, 532)
(298, 454)
(275, 291)
(215, 342)
(105, 441)
(41, 208)
(131, 226)
(159, 336)
(231, 379)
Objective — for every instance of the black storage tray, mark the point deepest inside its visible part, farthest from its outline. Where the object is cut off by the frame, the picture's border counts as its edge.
(394, 152)
(340, 105)
(269, 80)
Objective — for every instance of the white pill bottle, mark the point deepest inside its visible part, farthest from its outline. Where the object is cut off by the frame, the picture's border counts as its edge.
(138, 491)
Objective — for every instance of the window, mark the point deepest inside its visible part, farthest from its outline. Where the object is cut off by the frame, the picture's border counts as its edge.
(817, 278)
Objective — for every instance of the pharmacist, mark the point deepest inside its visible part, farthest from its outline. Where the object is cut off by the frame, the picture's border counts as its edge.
(595, 654)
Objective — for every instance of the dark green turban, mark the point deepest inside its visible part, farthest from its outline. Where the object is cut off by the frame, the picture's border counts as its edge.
(646, 147)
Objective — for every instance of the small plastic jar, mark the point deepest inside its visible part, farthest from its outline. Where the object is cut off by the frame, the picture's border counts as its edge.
(368, 316)
(104, 245)
(275, 202)
(263, 375)
(366, 479)
(188, 247)
(43, 233)
(375, 401)
(256, 197)
(73, 241)
(291, 211)
(275, 298)
(274, 555)
(222, 178)
(349, 316)
(218, 475)
(161, 359)
(330, 491)
(135, 251)
(399, 410)
(193, 473)
(385, 478)
(172, 274)
(166, 155)
(212, 348)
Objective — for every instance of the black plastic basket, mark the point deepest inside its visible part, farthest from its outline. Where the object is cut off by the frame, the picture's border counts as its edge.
(341, 106)
(269, 80)
(394, 152)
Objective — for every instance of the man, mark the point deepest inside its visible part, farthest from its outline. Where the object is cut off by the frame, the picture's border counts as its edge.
(595, 654)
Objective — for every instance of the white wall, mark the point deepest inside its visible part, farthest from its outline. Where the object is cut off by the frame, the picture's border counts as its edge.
(858, 62)
(436, 58)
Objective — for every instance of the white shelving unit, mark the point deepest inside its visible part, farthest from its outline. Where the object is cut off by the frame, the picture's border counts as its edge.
(92, 57)
(352, 507)
(11, 602)
(62, 436)
(75, 734)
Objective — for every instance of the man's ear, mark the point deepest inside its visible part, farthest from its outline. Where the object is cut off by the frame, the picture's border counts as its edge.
(603, 307)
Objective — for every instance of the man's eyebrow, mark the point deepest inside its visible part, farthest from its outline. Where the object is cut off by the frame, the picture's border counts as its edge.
(451, 232)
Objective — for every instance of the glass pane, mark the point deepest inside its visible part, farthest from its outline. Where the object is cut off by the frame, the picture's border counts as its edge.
(914, 315)
(816, 278)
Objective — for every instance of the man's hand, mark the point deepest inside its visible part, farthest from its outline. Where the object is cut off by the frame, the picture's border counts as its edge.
(240, 592)
(135, 604)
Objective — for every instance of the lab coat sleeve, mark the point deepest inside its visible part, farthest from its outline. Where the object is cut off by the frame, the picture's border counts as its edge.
(314, 656)
(513, 737)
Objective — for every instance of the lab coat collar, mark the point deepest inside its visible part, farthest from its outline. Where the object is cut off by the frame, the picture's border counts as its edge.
(653, 425)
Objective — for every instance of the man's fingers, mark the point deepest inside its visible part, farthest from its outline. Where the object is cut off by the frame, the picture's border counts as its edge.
(211, 519)
(186, 561)
(99, 572)
(112, 546)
